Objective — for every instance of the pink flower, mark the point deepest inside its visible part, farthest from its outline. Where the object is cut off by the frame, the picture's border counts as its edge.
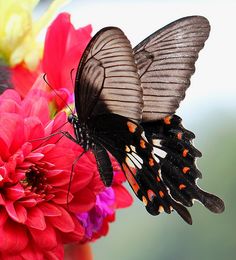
(35, 218)
(64, 46)
(37, 212)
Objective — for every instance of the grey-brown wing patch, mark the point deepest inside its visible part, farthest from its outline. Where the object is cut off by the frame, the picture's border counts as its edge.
(107, 79)
(166, 61)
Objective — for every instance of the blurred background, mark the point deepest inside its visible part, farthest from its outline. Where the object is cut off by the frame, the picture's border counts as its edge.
(209, 110)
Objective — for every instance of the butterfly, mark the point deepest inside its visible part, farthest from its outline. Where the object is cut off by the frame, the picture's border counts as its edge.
(125, 101)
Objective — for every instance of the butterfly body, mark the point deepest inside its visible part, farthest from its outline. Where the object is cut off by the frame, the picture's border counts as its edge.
(125, 101)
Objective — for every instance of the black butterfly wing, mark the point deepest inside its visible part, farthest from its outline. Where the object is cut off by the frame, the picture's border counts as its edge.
(174, 149)
(107, 80)
(166, 61)
(126, 141)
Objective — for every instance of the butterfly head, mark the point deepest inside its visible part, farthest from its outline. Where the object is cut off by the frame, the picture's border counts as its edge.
(72, 119)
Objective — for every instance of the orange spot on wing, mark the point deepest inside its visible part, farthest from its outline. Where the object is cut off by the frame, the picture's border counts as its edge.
(182, 186)
(161, 193)
(129, 175)
(158, 179)
(186, 170)
(142, 144)
(179, 135)
(185, 152)
(151, 162)
(131, 126)
(167, 120)
(144, 200)
(151, 195)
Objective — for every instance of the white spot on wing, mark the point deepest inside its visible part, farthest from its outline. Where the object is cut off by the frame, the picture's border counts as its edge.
(156, 142)
(144, 137)
(159, 152)
(134, 161)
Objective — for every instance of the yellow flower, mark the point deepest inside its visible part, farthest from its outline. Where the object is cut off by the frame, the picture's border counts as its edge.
(18, 31)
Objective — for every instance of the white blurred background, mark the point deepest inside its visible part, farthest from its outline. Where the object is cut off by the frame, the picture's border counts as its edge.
(208, 110)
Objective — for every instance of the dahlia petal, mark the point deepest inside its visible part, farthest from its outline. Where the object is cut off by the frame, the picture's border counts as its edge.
(76, 235)
(83, 201)
(58, 177)
(56, 254)
(15, 237)
(10, 208)
(2, 201)
(21, 213)
(33, 130)
(45, 239)
(122, 197)
(64, 222)
(3, 216)
(15, 192)
(32, 253)
(11, 94)
(49, 210)
(28, 203)
(34, 157)
(36, 219)
(37, 107)
(4, 148)
(45, 149)
(13, 125)
(57, 32)
(61, 196)
(23, 79)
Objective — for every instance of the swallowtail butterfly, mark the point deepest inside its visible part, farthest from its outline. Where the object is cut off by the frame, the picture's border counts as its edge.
(125, 101)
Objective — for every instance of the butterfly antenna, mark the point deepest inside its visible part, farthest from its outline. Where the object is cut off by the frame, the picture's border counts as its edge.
(64, 102)
(71, 176)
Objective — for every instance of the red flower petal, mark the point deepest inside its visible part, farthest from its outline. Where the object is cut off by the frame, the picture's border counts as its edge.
(14, 192)
(123, 198)
(83, 201)
(23, 79)
(45, 239)
(13, 237)
(63, 222)
(49, 210)
(36, 219)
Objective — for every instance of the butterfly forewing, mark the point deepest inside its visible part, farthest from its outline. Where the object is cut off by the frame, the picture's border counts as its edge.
(166, 61)
(107, 80)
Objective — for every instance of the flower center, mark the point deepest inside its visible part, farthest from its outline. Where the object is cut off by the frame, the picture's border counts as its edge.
(36, 180)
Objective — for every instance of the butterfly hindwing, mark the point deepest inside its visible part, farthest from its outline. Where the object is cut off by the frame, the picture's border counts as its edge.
(173, 146)
(126, 141)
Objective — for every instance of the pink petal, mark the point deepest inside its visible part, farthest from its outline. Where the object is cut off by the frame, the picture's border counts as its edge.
(23, 79)
(49, 209)
(10, 208)
(34, 157)
(54, 48)
(45, 239)
(28, 203)
(36, 219)
(14, 192)
(13, 237)
(63, 222)
(122, 197)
